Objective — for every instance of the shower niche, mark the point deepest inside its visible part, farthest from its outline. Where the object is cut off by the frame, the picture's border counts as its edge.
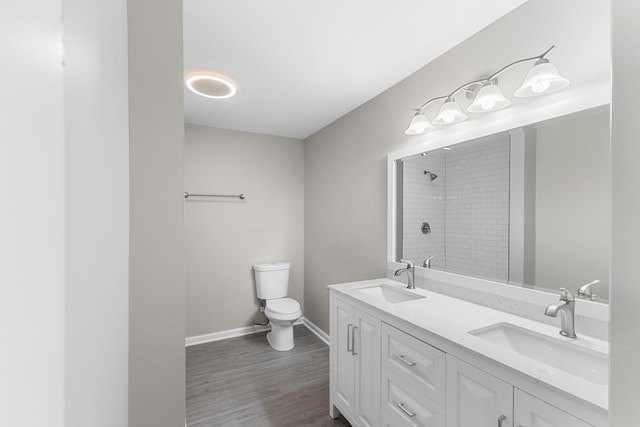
(528, 206)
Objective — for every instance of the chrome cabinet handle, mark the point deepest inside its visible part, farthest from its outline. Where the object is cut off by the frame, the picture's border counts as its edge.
(349, 340)
(405, 361)
(405, 410)
(501, 418)
(353, 341)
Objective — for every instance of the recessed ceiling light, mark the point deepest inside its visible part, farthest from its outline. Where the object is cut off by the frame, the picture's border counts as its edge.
(210, 85)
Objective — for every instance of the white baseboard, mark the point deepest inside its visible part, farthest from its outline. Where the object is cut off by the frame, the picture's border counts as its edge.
(316, 330)
(223, 335)
(248, 330)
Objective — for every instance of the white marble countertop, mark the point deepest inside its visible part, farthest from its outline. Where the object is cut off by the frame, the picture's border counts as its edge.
(452, 319)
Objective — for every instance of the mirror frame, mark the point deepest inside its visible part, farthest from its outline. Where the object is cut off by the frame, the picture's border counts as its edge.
(523, 115)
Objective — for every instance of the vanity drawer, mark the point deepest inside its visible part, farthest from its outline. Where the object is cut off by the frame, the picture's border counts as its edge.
(415, 362)
(403, 405)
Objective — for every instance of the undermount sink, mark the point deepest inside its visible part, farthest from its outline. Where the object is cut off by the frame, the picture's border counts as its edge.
(579, 361)
(390, 294)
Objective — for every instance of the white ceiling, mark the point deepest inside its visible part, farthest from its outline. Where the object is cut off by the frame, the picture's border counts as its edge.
(302, 64)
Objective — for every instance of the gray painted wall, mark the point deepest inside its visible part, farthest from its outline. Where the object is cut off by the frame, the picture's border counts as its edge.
(345, 163)
(156, 280)
(624, 387)
(225, 237)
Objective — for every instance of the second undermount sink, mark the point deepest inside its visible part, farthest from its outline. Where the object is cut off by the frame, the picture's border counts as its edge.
(573, 359)
(389, 294)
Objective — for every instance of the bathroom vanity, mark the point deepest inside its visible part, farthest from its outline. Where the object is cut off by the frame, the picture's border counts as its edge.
(404, 357)
(496, 220)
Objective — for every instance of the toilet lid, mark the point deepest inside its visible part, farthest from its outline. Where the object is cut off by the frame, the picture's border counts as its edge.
(283, 305)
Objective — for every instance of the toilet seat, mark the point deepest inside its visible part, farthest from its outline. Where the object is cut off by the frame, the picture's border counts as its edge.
(282, 309)
(282, 305)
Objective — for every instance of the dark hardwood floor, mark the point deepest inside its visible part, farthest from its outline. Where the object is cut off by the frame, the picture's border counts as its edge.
(244, 382)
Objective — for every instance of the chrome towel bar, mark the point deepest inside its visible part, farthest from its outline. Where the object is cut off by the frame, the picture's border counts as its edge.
(235, 196)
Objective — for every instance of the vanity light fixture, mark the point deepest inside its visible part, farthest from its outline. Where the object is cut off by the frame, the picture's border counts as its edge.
(542, 78)
(419, 124)
(210, 85)
(450, 113)
(487, 96)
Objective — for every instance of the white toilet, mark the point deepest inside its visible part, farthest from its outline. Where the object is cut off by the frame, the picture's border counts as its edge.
(272, 282)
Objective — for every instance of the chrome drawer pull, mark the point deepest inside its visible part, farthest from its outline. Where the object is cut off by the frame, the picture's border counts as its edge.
(405, 361)
(349, 340)
(405, 410)
(501, 419)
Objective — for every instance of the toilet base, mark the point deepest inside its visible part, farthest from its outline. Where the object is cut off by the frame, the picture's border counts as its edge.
(281, 337)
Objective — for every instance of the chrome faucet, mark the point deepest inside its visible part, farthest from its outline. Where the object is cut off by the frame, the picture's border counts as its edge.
(585, 291)
(410, 270)
(427, 262)
(566, 308)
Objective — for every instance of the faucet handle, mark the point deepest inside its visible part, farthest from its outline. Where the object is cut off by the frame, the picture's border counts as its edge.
(406, 261)
(566, 295)
(585, 291)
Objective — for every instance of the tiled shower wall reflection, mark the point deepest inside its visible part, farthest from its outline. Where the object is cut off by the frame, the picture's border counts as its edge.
(424, 202)
(477, 208)
(467, 208)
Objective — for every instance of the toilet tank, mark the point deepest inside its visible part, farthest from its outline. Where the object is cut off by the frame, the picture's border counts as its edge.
(272, 280)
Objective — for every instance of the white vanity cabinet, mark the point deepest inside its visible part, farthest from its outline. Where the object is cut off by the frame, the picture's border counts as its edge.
(387, 372)
(355, 362)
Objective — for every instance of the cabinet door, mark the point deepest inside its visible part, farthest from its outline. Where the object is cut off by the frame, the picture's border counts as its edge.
(475, 398)
(532, 412)
(367, 355)
(343, 372)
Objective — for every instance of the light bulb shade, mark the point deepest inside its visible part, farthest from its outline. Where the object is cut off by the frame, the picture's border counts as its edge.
(450, 113)
(419, 124)
(488, 98)
(543, 78)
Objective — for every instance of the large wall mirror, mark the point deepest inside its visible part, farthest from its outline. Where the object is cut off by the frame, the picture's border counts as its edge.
(529, 206)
